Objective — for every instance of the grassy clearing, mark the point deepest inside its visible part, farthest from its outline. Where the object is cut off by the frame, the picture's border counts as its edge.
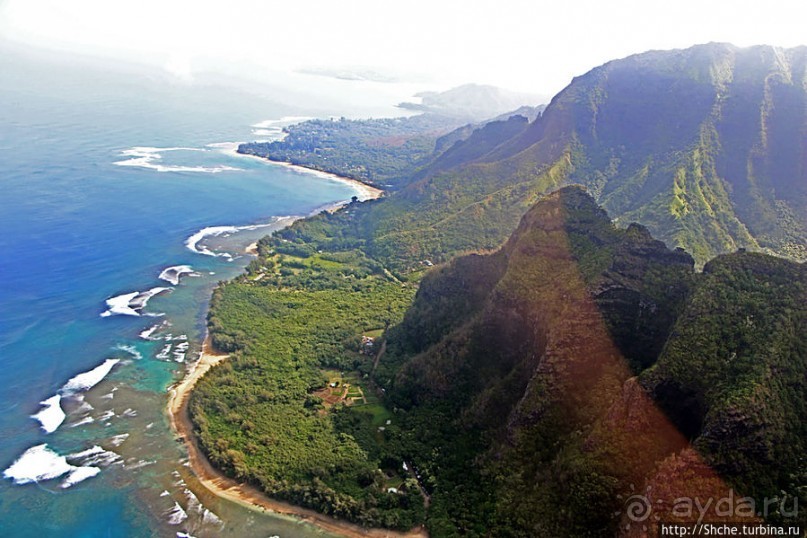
(375, 333)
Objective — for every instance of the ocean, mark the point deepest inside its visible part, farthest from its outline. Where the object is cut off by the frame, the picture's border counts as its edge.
(121, 208)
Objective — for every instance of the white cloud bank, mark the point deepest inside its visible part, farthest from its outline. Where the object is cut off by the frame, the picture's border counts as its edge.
(524, 45)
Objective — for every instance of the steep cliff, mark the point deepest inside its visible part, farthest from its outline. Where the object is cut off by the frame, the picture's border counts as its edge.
(518, 373)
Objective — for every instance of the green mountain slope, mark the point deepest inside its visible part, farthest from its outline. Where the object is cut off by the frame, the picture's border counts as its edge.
(704, 146)
(563, 361)
(382, 152)
(517, 373)
(732, 375)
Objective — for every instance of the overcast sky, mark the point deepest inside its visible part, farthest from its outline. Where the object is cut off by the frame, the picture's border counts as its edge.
(530, 45)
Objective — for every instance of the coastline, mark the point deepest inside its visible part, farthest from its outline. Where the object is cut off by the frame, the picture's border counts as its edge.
(243, 494)
(364, 191)
(179, 417)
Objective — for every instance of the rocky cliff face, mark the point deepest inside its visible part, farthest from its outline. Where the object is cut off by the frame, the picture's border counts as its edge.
(732, 373)
(582, 358)
(705, 147)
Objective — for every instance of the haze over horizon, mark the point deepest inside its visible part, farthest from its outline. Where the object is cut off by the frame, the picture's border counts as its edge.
(521, 46)
(249, 289)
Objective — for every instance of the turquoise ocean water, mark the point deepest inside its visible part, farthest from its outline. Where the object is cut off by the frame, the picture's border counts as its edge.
(78, 229)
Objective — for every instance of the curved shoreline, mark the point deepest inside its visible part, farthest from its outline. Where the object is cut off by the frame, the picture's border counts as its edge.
(245, 495)
(363, 190)
(217, 482)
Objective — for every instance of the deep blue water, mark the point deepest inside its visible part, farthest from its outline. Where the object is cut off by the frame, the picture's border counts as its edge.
(77, 229)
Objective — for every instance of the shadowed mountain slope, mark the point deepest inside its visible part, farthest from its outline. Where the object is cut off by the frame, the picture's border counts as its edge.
(703, 146)
(579, 359)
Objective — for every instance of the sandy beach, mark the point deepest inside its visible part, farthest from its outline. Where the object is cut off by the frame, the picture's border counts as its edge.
(245, 495)
(363, 190)
(212, 479)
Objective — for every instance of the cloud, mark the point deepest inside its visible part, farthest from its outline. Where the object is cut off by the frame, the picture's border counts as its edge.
(179, 65)
(520, 44)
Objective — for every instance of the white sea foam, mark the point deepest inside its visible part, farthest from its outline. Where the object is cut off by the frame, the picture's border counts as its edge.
(39, 463)
(184, 535)
(214, 231)
(225, 147)
(180, 350)
(174, 273)
(177, 515)
(193, 502)
(163, 355)
(79, 474)
(130, 304)
(106, 415)
(193, 241)
(148, 157)
(92, 451)
(118, 439)
(141, 299)
(164, 493)
(210, 518)
(131, 350)
(129, 413)
(85, 407)
(82, 422)
(146, 334)
(36, 464)
(285, 120)
(139, 464)
(88, 380)
(52, 416)
(194, 505)
(120, 305)
(95, 455)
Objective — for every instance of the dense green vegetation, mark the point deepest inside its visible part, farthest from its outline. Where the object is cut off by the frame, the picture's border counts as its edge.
(732, 376)
(532, 365)
(258, 415)
(382, 152)
(389, 152)
(529, 379)
(672, 140)
(509, 369)
(553, 359)
(701, 146)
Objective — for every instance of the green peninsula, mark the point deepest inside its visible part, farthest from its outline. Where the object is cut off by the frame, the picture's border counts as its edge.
(558, 357)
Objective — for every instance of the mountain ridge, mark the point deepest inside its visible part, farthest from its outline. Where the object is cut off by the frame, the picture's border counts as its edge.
(554, 358)
(557, 376)
(705, 146)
